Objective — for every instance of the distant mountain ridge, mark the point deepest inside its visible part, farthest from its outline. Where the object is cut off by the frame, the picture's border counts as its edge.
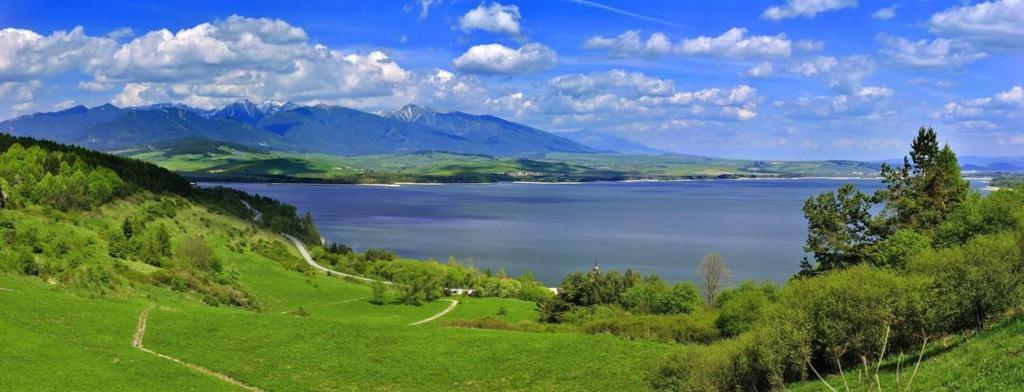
(283, 125)
(609, 143)
(495, 133)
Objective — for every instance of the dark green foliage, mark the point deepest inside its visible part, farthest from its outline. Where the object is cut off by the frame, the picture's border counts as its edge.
(654, 296)
(58, 179)
(379, 255)
(920, 194)
(336, 248)
(263, 211)
(838, 227)
(141, 174)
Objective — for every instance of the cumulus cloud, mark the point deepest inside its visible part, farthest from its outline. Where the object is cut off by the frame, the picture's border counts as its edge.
(212, 63)
(760, 71)
(997, 23)
(805, 8)
(885, 13)
(24, 54)
(939, 52)
(735, 43)
(844, 75)
(631, 44)
(20, 91)
(1003, 105)
(622, 82)
(495, 18)
(500, 59)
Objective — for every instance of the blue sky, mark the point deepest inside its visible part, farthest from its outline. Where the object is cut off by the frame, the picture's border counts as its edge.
(780, 79)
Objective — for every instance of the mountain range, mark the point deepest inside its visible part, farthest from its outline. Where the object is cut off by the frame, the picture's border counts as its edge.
(290, 127)
(605, 142)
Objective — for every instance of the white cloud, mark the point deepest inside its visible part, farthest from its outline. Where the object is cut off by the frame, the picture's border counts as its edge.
(885, 13)
(805, 8)
(20, 91)
(939, 52)
(630, 44)
(622, 82)
(1004, 105)
(735, 43)
(844, 75)
(495, 18)
(24, 54)
(500, 59)
(131, 95)
(996, 23)
(874, 92)
(119, 33)
(425, 7)
(760, 71)
(809, 45)
(67, 103)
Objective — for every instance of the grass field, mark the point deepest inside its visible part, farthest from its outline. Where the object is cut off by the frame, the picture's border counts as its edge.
(227, 162)
(311, 331)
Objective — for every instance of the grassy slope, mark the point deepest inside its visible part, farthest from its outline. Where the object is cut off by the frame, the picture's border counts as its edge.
(345, 344)
(59, 337)
(56, 341)
(989, 361)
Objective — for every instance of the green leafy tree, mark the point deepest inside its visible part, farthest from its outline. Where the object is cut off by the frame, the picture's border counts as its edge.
(839, 228)
(920, 194)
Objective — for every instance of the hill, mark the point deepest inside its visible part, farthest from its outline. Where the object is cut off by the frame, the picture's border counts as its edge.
(609, 143)
(202, 276)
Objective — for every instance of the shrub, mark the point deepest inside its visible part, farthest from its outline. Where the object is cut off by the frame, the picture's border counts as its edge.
(722, 366)
(682, 328)
(740, 307)
(379, 292)
(971, 284)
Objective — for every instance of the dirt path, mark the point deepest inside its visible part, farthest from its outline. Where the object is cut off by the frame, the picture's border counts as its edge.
(309, 260)
(437, 316)
(140, 332)
(5, 289)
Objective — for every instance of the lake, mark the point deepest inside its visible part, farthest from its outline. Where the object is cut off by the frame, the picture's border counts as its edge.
(553, 229)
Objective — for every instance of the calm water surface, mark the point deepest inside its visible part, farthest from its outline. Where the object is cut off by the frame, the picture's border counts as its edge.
(553, 229)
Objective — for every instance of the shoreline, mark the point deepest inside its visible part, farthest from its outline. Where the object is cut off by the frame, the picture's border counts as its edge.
(401, 184)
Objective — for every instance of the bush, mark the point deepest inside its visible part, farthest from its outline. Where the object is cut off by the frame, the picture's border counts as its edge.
(654, 296)
(722, 366)
(739, 308)
(972, 284)
(670, 329)
(379, 292)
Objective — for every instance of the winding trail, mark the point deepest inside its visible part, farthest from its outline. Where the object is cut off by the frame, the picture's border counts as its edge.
(437, 316)
(140, 332)
(309, 259)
